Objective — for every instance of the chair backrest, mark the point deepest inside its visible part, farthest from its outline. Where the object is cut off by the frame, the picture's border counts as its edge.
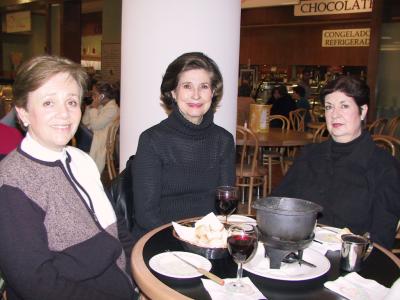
(249, 146)
(392, 126)
(121, 194)
(296, 118)
(285, 123)
(320, 133)
(110, 149)
(377, 126)
(389, 143)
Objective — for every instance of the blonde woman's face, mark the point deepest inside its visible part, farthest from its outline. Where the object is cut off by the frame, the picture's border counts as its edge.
(53, 112)
(343, 118)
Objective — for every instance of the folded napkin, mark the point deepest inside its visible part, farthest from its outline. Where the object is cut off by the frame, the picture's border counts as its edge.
(324, 247)
(326, 240)
(219, 292)
(355, 287)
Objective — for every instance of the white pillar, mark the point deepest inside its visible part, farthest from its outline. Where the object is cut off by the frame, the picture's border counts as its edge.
(154, 33)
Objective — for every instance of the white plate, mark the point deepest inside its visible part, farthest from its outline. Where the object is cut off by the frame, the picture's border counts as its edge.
(167, 264)
(238, 219)
(327, 235)
(259, 265)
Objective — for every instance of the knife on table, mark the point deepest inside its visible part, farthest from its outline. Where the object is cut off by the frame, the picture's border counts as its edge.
(209, 275)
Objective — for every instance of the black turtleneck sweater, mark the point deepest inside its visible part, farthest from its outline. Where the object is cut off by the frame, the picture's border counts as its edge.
(176, 169)
(357, 184)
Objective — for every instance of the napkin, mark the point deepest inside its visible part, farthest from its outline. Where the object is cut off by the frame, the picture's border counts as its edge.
(355, 287)
(323, 247)
(218, 292)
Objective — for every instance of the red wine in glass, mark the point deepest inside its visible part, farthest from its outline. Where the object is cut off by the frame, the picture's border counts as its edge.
(226, 200)
(242, 245)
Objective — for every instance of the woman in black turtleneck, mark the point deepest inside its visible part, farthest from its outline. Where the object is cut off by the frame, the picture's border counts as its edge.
(180, 161)
(356, 182)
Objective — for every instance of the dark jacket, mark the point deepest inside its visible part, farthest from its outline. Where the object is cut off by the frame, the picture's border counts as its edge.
(177, 167)
(360, 191)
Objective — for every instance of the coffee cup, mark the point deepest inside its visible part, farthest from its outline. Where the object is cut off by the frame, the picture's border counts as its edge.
(353, 252)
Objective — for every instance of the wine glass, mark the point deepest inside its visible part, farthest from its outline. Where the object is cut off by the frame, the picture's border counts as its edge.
(226, 200)
(242, 245)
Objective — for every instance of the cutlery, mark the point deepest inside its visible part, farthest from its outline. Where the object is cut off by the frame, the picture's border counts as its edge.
(206, 273)
(328, 229)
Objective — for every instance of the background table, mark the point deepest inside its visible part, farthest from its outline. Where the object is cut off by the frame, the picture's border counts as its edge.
(378, 266)
(275, 137)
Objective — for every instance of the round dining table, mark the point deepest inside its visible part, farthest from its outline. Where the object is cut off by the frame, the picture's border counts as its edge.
(381, 265)
(276, 137)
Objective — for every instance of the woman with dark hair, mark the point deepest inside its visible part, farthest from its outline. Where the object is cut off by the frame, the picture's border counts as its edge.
(98, 117)
(180, 161)
(60, 238)
(355, 181)
(282, 104)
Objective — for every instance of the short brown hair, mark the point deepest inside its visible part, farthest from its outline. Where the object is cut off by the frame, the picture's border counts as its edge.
(186, 62)
(35, 72)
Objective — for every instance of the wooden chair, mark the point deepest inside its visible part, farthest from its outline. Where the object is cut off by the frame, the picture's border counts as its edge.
(249, 173)
(296, 118)
(392, 126)
(320, 134)
(110, 149)
(388, 142)
(275, 155)
(377, 126)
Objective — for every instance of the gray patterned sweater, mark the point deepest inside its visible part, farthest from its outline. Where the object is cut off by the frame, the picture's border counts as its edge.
(53, 246)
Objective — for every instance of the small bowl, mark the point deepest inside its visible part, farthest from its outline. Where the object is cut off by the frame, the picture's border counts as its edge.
(207, 252)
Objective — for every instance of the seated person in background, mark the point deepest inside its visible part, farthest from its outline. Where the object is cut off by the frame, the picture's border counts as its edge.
(59, 235)
(10, 138)
(180, 161)
(98, 117)
(244, 89)
(355, 181)
(282, 104)
(301, 102)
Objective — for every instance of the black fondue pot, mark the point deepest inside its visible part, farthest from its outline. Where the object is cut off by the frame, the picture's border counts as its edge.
(287, 219)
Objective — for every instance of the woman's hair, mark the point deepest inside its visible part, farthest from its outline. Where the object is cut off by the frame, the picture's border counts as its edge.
(299, 90)
(186, 62)
(349, 85)
(283, 90)
(105, 88)
(35, 72)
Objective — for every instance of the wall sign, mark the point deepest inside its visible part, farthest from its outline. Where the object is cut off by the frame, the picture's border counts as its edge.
(332, 7)
(357, 37)
(18, 22)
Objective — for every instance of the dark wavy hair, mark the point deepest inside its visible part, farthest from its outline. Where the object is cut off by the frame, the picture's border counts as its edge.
(349, 85)
(186, 62)
(105, 88)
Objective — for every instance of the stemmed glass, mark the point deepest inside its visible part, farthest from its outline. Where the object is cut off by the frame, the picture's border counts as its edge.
(226, 200)
(242, 245)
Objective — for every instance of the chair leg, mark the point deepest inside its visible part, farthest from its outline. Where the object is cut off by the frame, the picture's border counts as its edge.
(269, 174)
(250, 198)
(265, 187)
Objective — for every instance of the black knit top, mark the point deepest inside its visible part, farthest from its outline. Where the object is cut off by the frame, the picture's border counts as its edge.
(177, 167)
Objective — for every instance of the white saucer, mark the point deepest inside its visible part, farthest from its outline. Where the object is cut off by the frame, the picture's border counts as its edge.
(259, 265)
(238, 219)
(167, 264)
(328, 235)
